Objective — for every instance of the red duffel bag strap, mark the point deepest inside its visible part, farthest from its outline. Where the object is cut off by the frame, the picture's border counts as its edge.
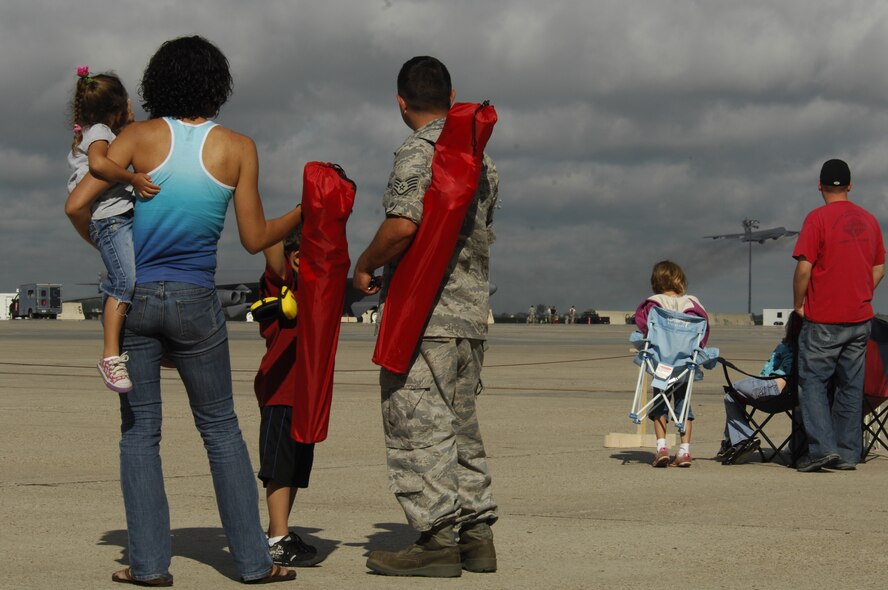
(411, 296)
(327, 199)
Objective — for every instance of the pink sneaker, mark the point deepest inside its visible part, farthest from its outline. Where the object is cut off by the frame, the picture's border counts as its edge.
(662, 458)
(682, 460)
(113, 371)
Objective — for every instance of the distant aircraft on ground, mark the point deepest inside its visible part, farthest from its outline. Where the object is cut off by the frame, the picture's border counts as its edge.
(358, 303)
(236, 299)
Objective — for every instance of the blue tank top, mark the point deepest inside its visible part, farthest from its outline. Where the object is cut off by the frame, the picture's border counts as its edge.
(175, 233)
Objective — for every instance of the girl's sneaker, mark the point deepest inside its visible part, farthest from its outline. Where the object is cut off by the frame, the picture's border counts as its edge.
(682, 460)
(113, 371)
(661, 459)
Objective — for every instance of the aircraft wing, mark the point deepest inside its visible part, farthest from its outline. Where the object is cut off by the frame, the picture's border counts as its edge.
(769, 234)
(758, 236)
(727, 237)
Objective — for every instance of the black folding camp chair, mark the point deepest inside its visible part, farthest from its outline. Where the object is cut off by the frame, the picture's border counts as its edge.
(875, 424)
(786, 403)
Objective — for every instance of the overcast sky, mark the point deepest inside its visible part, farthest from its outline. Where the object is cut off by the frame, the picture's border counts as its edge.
(627, 129)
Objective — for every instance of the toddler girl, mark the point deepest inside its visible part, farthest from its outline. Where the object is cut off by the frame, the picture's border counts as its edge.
(100, 109)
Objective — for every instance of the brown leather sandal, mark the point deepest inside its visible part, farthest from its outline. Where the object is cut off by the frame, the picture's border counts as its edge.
(277, 574)
(126, 577)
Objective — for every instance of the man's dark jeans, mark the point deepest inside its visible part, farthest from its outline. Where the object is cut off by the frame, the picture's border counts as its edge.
(833, 353)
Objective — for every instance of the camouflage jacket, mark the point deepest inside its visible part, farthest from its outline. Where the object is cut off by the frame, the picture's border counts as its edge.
(462, 306)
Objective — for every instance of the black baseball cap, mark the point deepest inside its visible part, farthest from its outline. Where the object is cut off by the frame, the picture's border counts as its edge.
(835, 173)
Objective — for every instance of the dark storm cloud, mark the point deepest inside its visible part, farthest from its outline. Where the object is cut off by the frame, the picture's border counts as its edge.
(628, 130)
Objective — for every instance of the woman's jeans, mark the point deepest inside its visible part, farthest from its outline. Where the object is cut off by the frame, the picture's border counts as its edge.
(184, 322)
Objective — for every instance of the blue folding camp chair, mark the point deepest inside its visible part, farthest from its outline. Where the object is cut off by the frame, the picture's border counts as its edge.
(672, 354)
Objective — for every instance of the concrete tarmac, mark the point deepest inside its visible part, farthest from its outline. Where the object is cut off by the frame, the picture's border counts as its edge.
(573, 514)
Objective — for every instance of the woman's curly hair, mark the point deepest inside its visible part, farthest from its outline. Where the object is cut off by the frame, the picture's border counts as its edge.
(186, 78)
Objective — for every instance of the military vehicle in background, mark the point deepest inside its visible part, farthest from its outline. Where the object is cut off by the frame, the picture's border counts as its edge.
(37, 300)
(590, 316)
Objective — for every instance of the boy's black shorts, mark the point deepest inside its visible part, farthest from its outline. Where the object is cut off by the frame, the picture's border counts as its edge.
(282, 460)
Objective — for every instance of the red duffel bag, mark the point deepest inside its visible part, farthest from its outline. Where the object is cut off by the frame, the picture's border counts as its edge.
(327, 199)
(456, 168)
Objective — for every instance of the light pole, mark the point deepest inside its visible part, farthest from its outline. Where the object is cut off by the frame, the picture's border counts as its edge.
(748, 226)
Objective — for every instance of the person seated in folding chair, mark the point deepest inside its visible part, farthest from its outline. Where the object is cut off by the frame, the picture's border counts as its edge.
(669, 283)
(738, 442)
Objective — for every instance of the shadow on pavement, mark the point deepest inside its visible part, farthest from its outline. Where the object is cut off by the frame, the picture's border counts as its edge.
(390, 536)
(634, 457)
(210, 546)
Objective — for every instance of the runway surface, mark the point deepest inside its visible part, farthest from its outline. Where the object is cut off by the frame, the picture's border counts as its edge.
(573, 514)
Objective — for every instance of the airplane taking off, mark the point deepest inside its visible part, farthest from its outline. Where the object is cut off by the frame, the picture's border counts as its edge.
(759, 236)
(751, 236)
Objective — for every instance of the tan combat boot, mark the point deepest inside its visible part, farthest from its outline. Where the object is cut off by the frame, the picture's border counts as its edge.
(434, 555)
(476, 549)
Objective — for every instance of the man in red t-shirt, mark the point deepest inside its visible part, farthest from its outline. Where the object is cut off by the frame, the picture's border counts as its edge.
(285, 464)
(841, 259)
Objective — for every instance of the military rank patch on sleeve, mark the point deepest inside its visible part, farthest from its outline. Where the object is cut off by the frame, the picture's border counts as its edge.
(402, 186)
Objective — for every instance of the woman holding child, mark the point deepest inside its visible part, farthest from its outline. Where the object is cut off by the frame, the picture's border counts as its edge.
(176, 315)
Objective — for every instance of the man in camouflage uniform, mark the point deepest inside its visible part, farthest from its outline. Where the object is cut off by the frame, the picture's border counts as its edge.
(436, 460)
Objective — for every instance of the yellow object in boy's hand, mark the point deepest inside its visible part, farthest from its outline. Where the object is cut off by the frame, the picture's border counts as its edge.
(289, 307)
(272, 308)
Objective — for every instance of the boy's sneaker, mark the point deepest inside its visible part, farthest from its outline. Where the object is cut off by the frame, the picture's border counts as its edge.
(114, 374)
(292, 551)
(661, 459)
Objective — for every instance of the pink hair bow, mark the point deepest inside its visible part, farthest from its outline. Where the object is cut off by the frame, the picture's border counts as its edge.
(83, 71)
(77, 128)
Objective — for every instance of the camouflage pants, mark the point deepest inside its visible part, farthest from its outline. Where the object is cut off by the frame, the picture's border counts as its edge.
(436, 460)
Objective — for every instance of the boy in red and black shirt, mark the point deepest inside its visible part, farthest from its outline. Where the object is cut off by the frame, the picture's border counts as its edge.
(285, 464)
